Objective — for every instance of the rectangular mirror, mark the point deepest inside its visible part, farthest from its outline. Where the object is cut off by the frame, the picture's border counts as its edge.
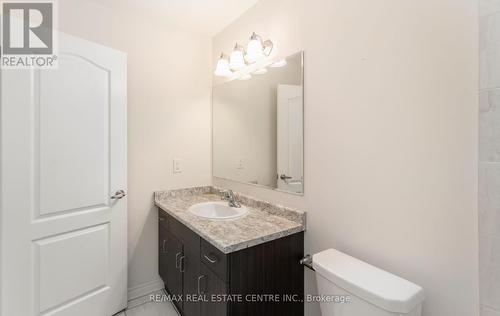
(258, 128)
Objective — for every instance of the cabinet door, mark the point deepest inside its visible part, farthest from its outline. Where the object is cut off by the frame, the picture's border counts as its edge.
(173, 274)
(191, 268)
(211, 285)
(162, 252)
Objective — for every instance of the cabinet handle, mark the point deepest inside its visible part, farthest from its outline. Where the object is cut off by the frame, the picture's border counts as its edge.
(163, 248)
(210, 259)
(177, 259)
(181, 264)
(199, 284)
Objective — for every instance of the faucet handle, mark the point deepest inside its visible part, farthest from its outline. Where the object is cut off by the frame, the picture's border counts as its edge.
(231, 198)
(226, 195)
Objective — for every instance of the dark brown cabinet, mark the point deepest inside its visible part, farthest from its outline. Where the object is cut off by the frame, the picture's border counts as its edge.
(191, 273)
(213, 290)
(162, 252)
(173, 267)
(241, 283)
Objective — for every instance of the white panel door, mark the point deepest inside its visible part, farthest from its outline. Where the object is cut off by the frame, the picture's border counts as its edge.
(63, 156)
(290, 138)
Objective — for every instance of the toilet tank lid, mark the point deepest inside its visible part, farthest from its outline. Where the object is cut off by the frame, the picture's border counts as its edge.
(381, 288)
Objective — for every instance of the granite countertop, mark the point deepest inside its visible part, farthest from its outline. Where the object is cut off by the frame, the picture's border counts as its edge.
(263, 222)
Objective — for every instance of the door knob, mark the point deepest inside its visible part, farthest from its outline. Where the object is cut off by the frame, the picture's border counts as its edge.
(118, 195)
(285, 177)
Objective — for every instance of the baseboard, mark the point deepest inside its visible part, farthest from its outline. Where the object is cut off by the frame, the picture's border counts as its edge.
(145, 289)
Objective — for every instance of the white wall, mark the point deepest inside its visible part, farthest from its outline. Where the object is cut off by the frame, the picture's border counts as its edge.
(489, 158)
(390, 135)
(169, 91)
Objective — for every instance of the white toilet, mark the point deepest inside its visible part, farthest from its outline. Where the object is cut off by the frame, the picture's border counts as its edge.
(369, 291)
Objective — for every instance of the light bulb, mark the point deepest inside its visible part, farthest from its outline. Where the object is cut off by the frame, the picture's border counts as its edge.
(261, 71)
(222, 69)
(279, 63)
(237, 61)
(254, 49)
(245, 77)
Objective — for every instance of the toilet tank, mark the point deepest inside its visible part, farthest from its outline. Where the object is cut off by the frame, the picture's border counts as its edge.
(350, 287)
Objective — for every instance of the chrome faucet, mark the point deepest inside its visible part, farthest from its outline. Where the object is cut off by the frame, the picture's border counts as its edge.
(230, 198)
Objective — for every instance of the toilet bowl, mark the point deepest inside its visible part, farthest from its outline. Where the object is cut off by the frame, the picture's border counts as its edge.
(350, 287)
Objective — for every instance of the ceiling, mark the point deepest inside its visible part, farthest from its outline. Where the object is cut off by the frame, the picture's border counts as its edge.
(202, 16)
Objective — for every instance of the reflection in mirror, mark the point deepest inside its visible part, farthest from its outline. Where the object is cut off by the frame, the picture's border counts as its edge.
(258, 128)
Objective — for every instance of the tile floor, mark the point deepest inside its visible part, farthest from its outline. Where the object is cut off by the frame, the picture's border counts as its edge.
(144, 307)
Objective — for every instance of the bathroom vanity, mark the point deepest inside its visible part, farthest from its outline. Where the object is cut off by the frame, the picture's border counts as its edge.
(243, 266)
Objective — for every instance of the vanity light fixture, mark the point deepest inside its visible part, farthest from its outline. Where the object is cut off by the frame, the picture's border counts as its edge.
(258, 49)
(255, 50)
(237, 60)
(261, 71)
(279, 63)
(222, 68)
(241, 63)
(268, 47)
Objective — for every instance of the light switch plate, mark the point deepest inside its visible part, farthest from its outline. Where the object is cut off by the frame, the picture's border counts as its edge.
(177, 166)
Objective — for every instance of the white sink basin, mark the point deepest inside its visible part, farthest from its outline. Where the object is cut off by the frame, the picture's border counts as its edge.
(217, 210)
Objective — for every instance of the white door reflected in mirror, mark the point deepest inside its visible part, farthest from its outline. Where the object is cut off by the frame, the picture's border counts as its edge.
(290, 138)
